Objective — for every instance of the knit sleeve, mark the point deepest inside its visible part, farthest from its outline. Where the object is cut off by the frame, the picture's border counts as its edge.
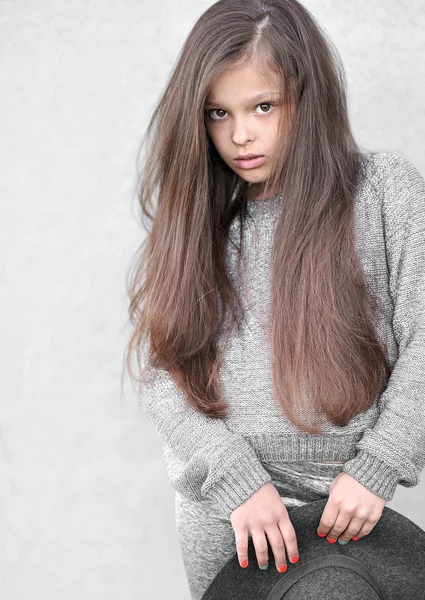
(393, 451)
(207, 461)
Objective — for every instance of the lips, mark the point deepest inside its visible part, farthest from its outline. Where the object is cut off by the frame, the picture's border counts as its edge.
(247, 156)
(250, 163)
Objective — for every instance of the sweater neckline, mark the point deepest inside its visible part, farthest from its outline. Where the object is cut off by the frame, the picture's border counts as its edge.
(255, 206)
(254, 200)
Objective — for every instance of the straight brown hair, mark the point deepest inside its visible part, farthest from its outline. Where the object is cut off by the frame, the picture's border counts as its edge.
(323, 312)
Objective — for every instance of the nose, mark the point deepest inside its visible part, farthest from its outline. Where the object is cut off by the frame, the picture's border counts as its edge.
(241, 133)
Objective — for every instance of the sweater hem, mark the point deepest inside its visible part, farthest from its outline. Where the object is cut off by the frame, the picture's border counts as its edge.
(304, 447)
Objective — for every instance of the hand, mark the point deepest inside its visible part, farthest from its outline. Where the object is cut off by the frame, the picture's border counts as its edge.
(352, 511)
(264, 513)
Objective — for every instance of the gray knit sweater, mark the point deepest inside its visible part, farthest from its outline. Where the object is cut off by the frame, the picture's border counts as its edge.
(228, 460)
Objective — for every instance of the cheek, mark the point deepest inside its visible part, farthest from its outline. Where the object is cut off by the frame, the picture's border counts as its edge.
(272, 126)
(212, 132)
(217, 140)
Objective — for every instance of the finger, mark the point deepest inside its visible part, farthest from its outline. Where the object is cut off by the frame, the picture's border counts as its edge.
(365, 529)
(261, 548)
(284, 544)
(351, 531)
(329, 516)
(290, 538)
(241, 538)
(341, 523)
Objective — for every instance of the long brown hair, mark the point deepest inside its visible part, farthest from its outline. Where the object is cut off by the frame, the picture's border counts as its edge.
(323, 313)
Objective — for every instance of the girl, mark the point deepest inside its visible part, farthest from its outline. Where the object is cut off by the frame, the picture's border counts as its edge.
(278, 302)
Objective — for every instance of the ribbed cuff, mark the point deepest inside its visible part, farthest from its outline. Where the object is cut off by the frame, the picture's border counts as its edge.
(376, 475)
(242, 479)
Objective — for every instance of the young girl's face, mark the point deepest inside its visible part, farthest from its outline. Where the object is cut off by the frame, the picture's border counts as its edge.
(242, 113)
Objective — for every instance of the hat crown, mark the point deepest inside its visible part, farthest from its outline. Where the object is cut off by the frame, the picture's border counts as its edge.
(370, 583)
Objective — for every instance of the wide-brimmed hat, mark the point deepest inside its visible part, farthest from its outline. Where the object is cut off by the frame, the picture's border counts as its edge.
(386, 564)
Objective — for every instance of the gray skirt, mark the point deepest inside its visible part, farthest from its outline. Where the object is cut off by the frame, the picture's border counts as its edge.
(207, 539)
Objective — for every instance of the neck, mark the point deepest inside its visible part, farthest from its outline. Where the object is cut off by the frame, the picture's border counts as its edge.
(257, 193)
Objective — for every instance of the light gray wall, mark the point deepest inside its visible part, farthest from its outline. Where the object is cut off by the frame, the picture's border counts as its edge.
(86, 511)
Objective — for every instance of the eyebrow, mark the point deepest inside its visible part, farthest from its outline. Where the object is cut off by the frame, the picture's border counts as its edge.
(253, 99)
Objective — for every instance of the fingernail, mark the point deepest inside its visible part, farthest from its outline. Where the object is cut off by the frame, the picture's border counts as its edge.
(356, 539)
(342, 542)
(321, 534)
(331, 541)
(282, 569)
(264, 567)
(294, 559)
(244, 563)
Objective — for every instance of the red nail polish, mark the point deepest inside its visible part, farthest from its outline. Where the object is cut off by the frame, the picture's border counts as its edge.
(321, 534)
(282, 569)
(294, 559)
(244, 564)
(331, 541)
(355, 539)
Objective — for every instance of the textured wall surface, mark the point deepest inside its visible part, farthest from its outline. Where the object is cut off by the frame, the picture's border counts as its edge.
(86, 510)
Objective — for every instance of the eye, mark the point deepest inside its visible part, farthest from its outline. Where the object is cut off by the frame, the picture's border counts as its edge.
(265, 104)
(209, 114)
(220, 110)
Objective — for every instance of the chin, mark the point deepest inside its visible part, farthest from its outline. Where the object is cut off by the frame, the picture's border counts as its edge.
(252, 178)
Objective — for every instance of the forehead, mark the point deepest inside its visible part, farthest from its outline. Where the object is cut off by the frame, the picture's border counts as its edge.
(244, 82)
(249, 100)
